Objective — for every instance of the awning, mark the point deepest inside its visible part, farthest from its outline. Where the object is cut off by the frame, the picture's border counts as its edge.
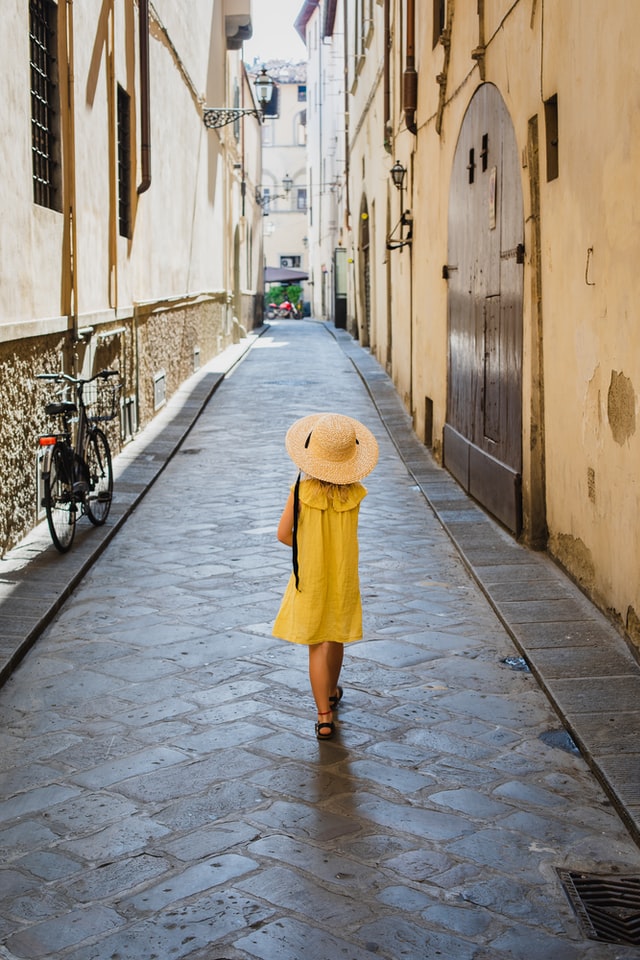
(284, 275)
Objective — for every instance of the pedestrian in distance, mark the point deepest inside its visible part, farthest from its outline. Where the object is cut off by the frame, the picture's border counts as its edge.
(322, 607)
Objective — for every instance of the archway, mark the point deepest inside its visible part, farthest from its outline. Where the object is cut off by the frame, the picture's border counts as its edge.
(483, 431)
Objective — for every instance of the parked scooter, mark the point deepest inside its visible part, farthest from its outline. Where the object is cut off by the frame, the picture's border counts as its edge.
(285, 310)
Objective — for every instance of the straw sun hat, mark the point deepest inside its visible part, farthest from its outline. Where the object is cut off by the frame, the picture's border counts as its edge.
(332, 447)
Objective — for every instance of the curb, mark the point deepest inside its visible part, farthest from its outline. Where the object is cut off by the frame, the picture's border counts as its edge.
(35, 579)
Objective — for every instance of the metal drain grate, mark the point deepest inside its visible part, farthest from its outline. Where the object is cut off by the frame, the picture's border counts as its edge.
(607, 906)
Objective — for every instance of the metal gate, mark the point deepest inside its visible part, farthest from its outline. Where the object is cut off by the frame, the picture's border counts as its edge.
(483, 432)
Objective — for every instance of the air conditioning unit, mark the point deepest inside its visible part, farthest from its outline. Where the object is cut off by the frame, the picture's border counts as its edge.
(286, 261)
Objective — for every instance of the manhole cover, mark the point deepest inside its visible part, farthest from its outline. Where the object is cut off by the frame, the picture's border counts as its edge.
(607, 906)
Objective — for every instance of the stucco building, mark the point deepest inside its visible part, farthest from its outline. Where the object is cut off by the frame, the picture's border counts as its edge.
(283, 192)
(130, 235)
(497, 281)
(322, 29)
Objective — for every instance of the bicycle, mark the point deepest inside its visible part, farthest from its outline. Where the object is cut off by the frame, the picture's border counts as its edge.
(76, 467)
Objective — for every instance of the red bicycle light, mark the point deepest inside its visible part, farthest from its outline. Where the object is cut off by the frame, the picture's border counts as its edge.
(47, 441)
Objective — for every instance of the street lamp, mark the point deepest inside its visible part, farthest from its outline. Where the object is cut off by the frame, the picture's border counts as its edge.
(216, 117)
(265, 199)
(398, 173)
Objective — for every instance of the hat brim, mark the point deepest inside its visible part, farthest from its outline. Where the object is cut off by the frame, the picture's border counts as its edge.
(350, 471)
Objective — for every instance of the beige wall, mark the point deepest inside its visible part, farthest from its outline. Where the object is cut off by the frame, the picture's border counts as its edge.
(189, 279)
(581, 453)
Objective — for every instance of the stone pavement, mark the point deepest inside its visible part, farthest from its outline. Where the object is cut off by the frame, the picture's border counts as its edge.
(163, 794)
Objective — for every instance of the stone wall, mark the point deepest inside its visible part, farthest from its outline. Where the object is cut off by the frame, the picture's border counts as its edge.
(160, 338)
(21, 401)
(166, 341)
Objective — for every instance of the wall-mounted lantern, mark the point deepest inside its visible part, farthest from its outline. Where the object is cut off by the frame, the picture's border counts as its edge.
(395, 241)
(215, 117)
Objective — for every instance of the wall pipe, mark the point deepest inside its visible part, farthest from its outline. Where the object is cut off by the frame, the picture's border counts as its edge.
(145, 118)
(70, 285)
(410, 86)
(387, 74)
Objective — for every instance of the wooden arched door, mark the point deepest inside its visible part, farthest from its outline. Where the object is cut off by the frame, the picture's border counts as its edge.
(483, 432)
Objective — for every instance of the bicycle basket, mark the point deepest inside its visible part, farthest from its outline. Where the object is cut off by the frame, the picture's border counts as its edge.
(101, 399)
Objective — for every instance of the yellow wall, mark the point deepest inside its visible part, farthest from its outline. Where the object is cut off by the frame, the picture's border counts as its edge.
(589, 353)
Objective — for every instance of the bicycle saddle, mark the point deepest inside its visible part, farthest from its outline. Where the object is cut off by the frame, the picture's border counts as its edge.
(64, 406)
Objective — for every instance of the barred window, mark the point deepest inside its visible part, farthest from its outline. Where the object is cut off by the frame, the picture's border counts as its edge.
(124, 162)
(45, 103)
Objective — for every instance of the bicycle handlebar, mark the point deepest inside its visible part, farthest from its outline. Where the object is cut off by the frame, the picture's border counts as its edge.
(57, 377)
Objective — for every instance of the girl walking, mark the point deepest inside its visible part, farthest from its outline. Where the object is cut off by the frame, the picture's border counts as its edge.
(321, 607)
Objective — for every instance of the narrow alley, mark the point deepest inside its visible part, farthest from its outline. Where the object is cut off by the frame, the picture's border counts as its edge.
(163, 793)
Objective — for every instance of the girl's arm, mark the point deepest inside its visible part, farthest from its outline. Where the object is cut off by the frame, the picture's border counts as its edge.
(285, 527)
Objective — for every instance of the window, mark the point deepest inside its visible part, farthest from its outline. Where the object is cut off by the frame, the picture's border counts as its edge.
(363, 24)
(551, 128)
(124, 162)
(302, 93)
(358, 24)
(272, 108)
(301, 128)
(236, 104)
(266, 200)
(290, 262)
(439, 19)
(45, 104)
(301, 199)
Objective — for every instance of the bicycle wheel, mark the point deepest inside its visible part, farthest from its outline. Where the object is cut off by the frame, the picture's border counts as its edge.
(98, 501)
(59, 502)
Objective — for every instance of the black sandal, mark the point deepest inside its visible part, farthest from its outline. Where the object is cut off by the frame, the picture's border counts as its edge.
(325, 725)
(334, 701)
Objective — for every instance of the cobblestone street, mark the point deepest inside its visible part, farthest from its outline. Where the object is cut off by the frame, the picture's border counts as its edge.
(163, 793)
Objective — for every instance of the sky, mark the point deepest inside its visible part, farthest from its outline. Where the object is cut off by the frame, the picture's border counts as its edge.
(274, 36)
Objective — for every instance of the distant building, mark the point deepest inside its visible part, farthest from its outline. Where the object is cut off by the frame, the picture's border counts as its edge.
(322, 30)
(283, 191)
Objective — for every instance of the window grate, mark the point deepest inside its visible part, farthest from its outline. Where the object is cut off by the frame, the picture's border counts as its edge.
(45, 146)
(124, 162)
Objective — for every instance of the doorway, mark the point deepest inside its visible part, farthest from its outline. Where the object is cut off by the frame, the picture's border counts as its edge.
(483, 430)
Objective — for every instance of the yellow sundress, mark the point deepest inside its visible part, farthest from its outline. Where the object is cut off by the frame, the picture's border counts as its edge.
(327, 605)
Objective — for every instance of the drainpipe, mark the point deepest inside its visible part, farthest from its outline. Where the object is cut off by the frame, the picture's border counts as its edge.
(410, 88)
(70, 307)
(145, 122)
(387, 76)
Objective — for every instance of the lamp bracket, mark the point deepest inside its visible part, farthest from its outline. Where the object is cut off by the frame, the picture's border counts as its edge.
(396, 243)
(216, 117)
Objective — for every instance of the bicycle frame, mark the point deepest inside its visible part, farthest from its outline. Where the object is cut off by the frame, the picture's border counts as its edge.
(76, 444)
(76, 461)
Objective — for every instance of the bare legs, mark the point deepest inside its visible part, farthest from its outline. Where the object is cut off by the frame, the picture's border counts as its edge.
(325, 663)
